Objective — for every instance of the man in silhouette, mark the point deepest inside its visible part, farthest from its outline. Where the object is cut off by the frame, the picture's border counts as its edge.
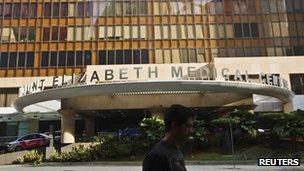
(166, 154)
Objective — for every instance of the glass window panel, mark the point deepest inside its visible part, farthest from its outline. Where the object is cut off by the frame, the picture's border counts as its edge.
(21, 59)
(199, 31)
(164, 8)
(297, 5)
(293, 28)
(55, 9)
(212, 7)
(270, 51)
(1, 10)
(215, 52)
(71, 32)
(4, 60)
(33, 10)
(236, 7)
(72, 7)
(7, 10)
(128, 56)
(111, 8)
(144, 56)
(265, 6)
(184, 55)
(300, 26)
(23, 34)
(126, 32)
(279, 51)
(53, 61)
(246, 30)
(78, 33)
(95, 9)
(166, 31)
(80, 9)
(156, 8)
(88, 9)
(229, 31)
(247, 52)
(190, 29)
(24, 10)
(29, 59)
(243, 6)
(118, 32)
(63, 33)
(110, 32)
(192, 55)
(167, 56)
(254, 30)
(276, 29)
(70, 58)
(79, 58)
(183, 31)
(62, 59)
(134, 7)
(64, 9)
(174, 34)
(87, 58)
(136, 57)
(12, 60)
(118, 10)
(221, 31)
(284, 29)
(251, 6)
(174, 8)
(143, 32)
(46, 33)
(197, 6)
(143, 8)
(31, 34)
(175, 56)
(45, 59)
(127, 8)
(239, 52)
(102, 57)
(88, 33)
(102, 32)
(200, 55)
(47, 10)
(298, 50)
(231, 52)
(273, 6)
(238, 30)
(5, 34)
(213, 31)
(255, 52)
(188, 6)
(54, 33)
(281, 6)
(222, 52)
(111, 57)
(16, 10)
(135, 32)
(14, 34)
(119, 56)
(102, 8)
(159, 56)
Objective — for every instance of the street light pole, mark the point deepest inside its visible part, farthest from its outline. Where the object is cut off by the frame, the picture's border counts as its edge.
(231, 141)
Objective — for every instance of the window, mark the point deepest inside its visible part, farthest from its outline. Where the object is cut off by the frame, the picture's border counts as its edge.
(63, 34)
(45, 59)
(136, 57)
(31, 34)
(33, 10)
(199, 31)
(70, 58)
(16, 10)
(21, 59)
(53, 61)
(47, 10)
(4, 60)
(23, 34)
(54, 33)
(64, 9)
(102, 57)
(24, 10)
(46, 34)
(62, 59)
(159, 56)
(71, 8)
(143, 32)
(246, 30)
(30, 59)
(143, 8)
(1, 10)
(157, 32)
(297, 83)
(12, 59)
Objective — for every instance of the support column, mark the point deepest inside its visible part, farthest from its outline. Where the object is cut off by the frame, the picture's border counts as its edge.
(288, 107)
(67, 126)
(90, 126)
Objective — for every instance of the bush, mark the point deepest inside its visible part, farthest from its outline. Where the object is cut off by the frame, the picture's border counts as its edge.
(31, 157)
(153, 129)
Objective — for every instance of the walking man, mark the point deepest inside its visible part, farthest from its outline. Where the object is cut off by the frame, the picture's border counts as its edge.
(166, 154)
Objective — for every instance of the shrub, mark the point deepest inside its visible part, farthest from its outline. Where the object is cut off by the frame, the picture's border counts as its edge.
(153, 129)
(31, 157)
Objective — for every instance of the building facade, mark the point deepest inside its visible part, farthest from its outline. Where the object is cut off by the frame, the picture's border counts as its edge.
(40, 39)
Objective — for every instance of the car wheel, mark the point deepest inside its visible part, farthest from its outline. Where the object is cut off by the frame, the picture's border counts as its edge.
(18, 148)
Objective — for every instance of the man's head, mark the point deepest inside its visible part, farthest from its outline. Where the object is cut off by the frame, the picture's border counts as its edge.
(179, 121)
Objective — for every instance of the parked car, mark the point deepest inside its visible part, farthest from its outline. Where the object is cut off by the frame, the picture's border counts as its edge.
(3, 148)
(57, 136)
(29, 141)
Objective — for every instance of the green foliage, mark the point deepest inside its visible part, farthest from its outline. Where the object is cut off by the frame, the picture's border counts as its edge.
(153, 129)
(240, 119)
(109, 148)
(199, 132)
(32, 157)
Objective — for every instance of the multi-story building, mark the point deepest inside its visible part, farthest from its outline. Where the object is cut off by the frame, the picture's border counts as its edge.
(39, 39)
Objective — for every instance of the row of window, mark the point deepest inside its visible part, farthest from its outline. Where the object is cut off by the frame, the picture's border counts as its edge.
(19, 60)
(126, 56)
(256, 51)
(179, 55)
(182, 31)
(140, 7)
(297, 83)
(66, 58)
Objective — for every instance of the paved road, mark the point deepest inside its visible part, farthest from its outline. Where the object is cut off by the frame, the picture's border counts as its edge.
(138, 168)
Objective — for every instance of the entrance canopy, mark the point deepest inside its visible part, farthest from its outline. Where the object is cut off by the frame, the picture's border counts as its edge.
(147, 88)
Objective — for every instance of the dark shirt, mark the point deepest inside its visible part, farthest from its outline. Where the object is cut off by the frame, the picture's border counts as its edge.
(164, 157)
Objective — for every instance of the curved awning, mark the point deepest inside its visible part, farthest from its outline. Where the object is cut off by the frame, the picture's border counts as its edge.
(283, 94)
